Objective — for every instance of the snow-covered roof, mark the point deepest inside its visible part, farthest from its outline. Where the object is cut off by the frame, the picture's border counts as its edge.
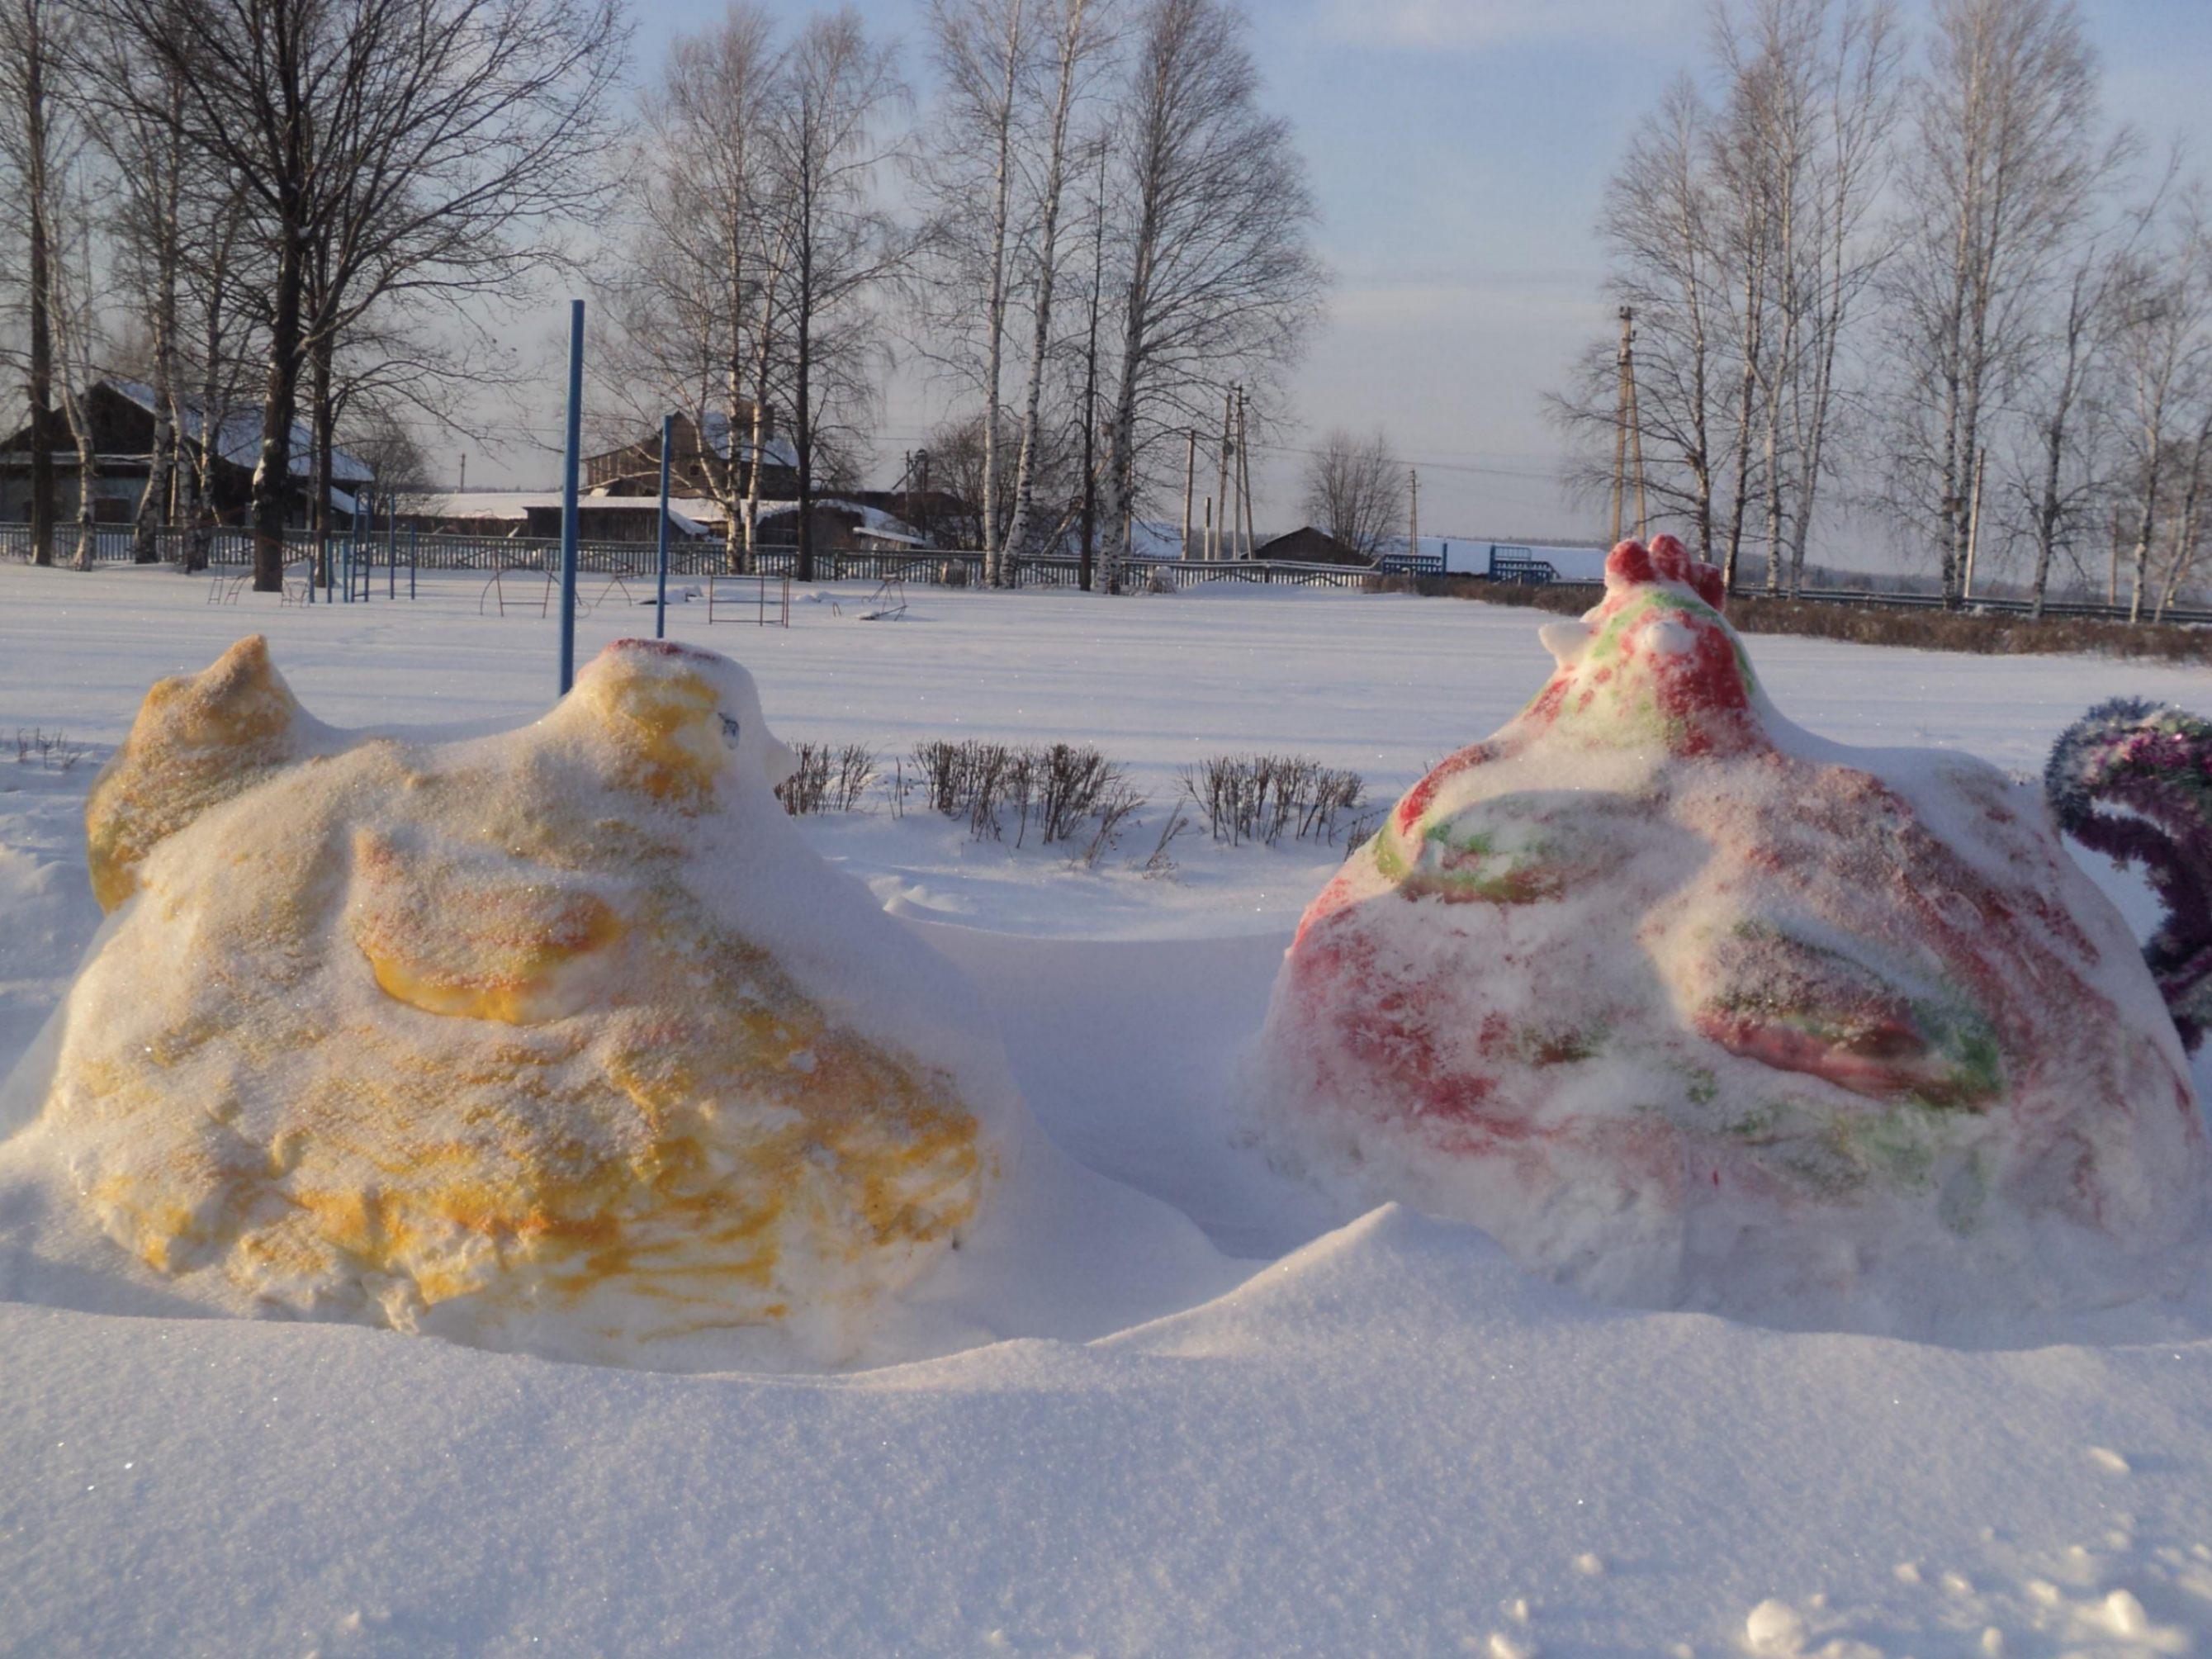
(515, 506)
(714, 432)
(697, 515)
(1149, 539)
(239, 441)
(874, 522)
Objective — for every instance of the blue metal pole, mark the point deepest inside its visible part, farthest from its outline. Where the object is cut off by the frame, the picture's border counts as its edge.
(660, 595)
(413, 535)
(568, 495)
(367, 544)
(392, 548)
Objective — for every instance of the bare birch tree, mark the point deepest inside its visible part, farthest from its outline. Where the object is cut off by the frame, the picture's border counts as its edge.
(214, 347)
(1813, 87)
(695, 312)
(1658, 223)
(2164, 357)
(143, 142)
(76, 338)
(38, 138)
(2001, 156)
(413, 143)
(966, 165)
(2062, 396)
(1218, 281)
(826, 144)
(1084, 38)
(1355, 489)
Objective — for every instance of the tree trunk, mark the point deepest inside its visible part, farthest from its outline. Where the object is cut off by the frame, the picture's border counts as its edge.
(159, 502)
(1017, 531)
(996, 318)
(753, 482)
(1120, 495)
(802, 431)
(763, 357)
(2046, 514)
(322, 425)
(40, 387)
(272, 471)
(1754, 300)
(214, 416)
(145, 545)
(2146, 525)
(2185, 532)
(1740, 502)
(87, 469)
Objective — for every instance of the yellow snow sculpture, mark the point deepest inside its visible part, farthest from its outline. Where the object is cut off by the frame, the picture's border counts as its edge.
(561, 1038)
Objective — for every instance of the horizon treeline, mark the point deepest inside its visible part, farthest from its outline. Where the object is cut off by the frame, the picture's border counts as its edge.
(1912, 276)
(319, 215)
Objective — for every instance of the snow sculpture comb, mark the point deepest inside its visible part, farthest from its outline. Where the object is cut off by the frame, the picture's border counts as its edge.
(1685, 1004)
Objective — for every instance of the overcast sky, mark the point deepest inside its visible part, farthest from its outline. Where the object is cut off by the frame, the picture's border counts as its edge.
(1458, 148)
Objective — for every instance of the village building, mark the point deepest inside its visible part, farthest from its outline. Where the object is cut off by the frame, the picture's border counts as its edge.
(120, 414)
(840, 524)
(635, 467)
(1307, 545)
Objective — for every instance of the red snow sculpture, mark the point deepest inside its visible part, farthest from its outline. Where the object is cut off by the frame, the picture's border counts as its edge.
(1685, 1004)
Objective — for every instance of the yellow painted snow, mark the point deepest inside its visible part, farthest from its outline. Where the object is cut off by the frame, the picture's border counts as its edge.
(401, 1027)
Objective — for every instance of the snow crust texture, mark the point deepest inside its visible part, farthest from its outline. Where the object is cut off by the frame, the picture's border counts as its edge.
(561, 1039)
(1687, 1006)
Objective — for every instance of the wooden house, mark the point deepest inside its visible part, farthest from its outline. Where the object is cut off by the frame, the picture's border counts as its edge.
(634, 469)
(1308, 545)
(121, 415)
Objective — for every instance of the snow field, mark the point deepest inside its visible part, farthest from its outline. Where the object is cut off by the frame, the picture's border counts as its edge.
(1375, 1436)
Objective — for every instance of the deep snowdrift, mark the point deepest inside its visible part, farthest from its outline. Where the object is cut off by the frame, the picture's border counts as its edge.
(1687, 1006)
(1373, 1435)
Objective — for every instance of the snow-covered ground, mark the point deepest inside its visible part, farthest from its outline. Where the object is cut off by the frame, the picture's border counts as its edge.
(1356, 1434)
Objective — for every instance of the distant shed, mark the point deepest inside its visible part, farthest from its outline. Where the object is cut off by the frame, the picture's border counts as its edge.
(1308, 545)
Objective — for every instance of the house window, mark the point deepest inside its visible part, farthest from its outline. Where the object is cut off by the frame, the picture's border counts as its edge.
(109, 510)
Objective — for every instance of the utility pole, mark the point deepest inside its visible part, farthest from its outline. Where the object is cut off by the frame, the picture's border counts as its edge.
(1084, 565)
(1244, 469)
(1636, 440)
(1189, 490)
(1628, 436)
(1974, 527)
(2112, 575)
(1414, 540)
(1221, 489)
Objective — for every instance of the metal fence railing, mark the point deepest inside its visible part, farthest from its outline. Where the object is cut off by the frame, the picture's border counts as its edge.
(233, 548)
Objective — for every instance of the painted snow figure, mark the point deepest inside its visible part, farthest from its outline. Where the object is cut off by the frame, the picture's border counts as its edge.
(1687, 1006)
(2155, 763)
(560, 1039)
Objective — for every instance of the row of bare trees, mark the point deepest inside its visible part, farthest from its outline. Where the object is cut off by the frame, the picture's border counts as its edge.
(273, 210)
(1922, 282)
(1102, 230)
(763, 247)
(294, 217)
